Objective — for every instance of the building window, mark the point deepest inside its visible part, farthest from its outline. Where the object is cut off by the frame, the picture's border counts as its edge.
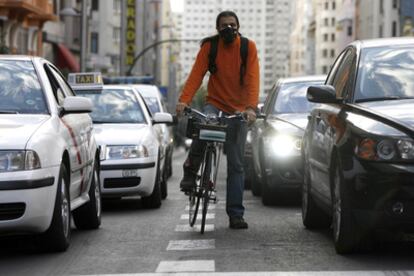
(326, 5)
(394, 28)
(381, 7)
(325, 53)
(117, 6)
(325, 37)
(94, 42)
(394, 4)
(95, 5)
(333, 21)
(326, 21)
(349, 31)
(332, 53)
(380, 31)
(333, 37)
(334, 5)
(324, 69)
(116, 34)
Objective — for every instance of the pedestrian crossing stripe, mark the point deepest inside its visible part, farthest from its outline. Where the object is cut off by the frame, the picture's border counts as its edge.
(208, 216)
(195, 228)
(186, 266)
(191, 244)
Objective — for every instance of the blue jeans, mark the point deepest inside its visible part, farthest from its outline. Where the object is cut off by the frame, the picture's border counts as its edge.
(234, 149)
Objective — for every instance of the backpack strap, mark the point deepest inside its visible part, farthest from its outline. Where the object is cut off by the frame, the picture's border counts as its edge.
(244, 50)
(212, 66)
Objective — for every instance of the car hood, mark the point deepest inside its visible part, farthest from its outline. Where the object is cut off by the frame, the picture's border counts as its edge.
(122, 134)
(16, 130)
(401, 110)
(289, 121)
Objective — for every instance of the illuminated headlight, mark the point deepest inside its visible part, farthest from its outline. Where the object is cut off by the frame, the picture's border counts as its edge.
(125, 152)
(385, 150)
(19, 160)
(283, 145)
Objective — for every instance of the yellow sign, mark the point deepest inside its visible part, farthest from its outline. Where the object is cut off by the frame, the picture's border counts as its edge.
(130, 33)
(80, 79)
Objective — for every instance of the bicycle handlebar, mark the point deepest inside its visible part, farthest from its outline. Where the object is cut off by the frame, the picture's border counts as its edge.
(240, 115)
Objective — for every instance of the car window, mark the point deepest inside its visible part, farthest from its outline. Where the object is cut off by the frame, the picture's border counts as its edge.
(334, 68)
(153, 104)
(62, 82)
(57, 91)
(385, 72)
(291, 98)
(114, 106)
(343, 79)
(268, 103)
(20, 89)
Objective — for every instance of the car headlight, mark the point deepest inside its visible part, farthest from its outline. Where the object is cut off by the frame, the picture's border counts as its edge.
(385, 149)
(19, 160)
(124, 152)
(283, 145)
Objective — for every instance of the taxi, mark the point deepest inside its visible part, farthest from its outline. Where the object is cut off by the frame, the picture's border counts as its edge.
(130, 151)
(49, 159)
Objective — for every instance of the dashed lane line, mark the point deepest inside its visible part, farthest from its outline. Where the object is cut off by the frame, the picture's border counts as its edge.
(191, 244)
(185, 266)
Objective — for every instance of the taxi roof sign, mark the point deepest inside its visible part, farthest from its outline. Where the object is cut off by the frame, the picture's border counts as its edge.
(90, 80)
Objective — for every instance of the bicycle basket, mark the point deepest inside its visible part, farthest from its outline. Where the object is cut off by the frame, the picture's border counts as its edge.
(215, 133)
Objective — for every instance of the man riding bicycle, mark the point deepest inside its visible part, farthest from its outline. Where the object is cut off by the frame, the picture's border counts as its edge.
(233, 87)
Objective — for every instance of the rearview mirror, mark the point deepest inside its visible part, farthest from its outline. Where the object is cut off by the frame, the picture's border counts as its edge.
(76, 104)
(322, 94)
(162, 118)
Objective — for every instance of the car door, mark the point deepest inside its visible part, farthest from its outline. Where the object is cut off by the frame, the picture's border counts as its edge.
(328, 123)
(79, 127)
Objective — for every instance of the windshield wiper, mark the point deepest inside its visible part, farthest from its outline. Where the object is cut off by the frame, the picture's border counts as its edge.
(9, 112)
(389, 98)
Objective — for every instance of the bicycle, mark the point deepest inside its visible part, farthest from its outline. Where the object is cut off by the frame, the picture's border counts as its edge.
(212, 130)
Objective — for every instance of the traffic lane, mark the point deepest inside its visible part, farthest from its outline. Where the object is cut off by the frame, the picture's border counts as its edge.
(130, 239)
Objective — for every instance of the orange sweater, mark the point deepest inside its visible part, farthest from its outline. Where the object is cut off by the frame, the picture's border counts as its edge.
(224, 89)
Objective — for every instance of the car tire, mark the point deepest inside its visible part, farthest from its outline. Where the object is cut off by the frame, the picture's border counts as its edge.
(345, 230)
(164, 186)
(57, 236)
(313, 217)
(154, 200)
(88, 216)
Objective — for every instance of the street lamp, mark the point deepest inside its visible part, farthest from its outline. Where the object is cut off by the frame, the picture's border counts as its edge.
(69, 11)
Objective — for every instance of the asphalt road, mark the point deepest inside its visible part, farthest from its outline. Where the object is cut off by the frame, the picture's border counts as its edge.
(133, 240)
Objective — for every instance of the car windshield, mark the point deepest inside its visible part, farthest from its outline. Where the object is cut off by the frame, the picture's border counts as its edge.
(385, 73)
(291, 98)
(20, 89)
(114, 106)
(153, 105)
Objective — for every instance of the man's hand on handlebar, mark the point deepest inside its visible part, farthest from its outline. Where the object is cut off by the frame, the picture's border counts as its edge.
(179, 108)
(250, 116)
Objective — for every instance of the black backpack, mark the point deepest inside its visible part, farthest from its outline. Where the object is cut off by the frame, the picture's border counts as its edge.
(244, 49)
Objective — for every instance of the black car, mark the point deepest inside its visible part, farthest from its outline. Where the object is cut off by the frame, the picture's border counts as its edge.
(276, 139)
(358, 146)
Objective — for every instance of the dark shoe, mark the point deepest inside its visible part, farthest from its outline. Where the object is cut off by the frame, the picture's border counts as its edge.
(188, 182)
(238, 223)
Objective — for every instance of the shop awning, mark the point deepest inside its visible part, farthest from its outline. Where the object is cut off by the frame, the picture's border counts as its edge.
(65, 59)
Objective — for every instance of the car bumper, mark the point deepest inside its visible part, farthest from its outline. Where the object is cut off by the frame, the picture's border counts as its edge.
(287, 172)
(27, 200)
(128, 177)
(382, 195)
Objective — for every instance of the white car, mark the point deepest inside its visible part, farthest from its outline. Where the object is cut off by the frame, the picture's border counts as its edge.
(49, 159)
(155, 102)
(130, 150)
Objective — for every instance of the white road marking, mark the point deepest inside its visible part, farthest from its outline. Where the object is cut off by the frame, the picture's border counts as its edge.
(208, 216)
(185, 266)
(191, 244)
(273, 273)
(195, 228)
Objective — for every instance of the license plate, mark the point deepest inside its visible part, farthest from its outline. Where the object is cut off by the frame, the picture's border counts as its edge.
(129, 173)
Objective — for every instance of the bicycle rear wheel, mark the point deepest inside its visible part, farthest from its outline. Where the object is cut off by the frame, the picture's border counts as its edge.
(194, 203)
(206, 186)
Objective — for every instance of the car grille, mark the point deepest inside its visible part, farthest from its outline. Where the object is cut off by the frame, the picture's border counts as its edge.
(10, 211)
(127, 182)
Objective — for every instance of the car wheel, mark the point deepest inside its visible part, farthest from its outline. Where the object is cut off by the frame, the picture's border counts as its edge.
(345, 230)
(313, 217)
(164, 186)
(57, 237)
(89, 215)
(154, 200)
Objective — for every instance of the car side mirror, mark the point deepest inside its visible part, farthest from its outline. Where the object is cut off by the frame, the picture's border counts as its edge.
(76, 104)
(162, 118)
(322, 94)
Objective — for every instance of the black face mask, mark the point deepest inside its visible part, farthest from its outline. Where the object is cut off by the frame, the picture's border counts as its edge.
(228, 34)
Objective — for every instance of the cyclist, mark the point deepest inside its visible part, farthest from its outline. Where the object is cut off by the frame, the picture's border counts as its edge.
(231, 89)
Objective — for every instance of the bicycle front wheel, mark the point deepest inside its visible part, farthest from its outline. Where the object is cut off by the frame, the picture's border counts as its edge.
(206, 186)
